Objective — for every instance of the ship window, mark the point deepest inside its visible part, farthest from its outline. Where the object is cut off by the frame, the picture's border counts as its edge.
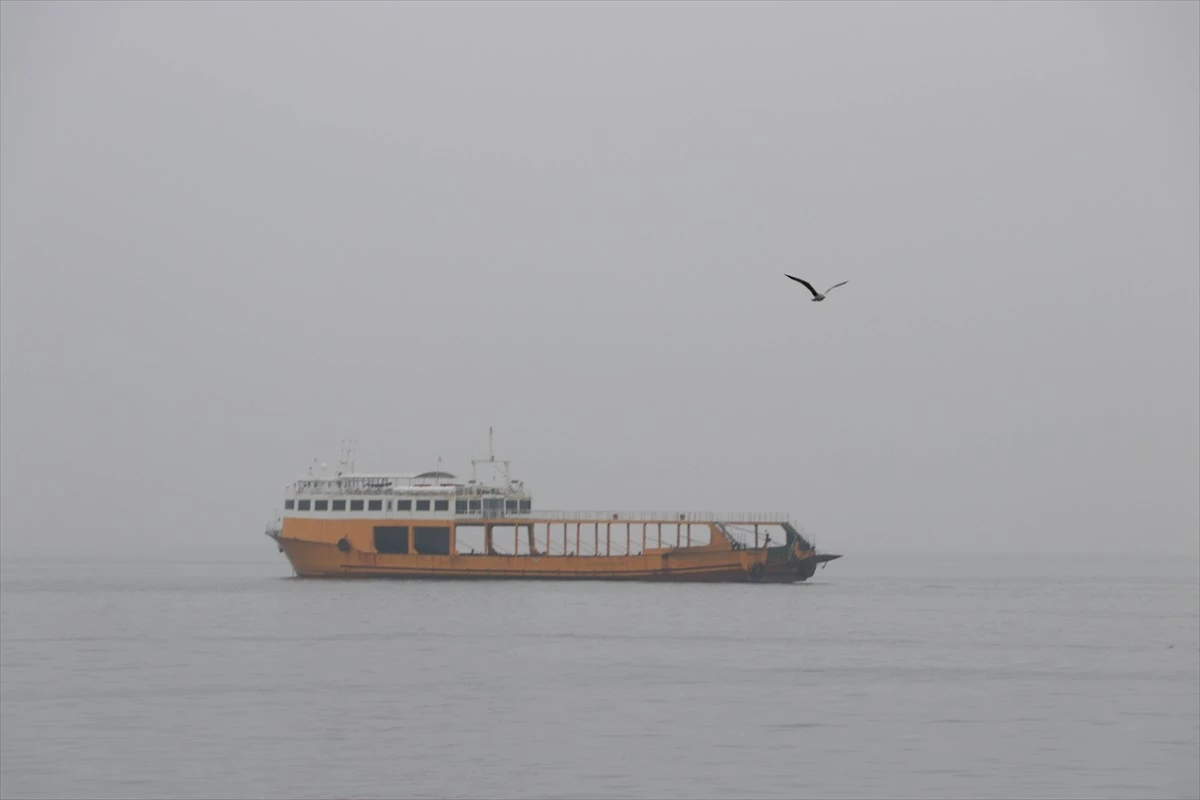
(432, 541)
(404, 505)
(339, 505)
(526, 505)
(320, 505)
(304, 505)
(356, 505)
(475, 505)
(391, 538)
(460, 506)
(422, 505)
(441, 505)
(510, 505)
(289, 504)
(374, 505)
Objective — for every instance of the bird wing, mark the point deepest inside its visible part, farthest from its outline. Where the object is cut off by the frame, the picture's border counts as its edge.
(806, 283)
(831, 288)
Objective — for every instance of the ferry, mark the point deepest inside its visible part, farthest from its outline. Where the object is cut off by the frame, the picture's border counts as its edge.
(432, 525)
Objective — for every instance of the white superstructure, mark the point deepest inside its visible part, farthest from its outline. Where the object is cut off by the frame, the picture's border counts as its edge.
(434, 494)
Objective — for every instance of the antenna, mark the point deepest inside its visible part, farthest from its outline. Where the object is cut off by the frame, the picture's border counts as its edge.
(346, 456)
(491, 459)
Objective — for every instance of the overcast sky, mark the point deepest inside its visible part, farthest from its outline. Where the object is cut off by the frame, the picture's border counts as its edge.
(234, 234)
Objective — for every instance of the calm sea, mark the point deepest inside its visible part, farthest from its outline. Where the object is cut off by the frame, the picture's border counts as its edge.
(883, 677)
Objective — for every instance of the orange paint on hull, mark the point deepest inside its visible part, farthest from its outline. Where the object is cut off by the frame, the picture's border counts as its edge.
(312, 547)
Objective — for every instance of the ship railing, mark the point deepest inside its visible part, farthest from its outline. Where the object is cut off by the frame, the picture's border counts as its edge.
(745, 518)
(387, 491)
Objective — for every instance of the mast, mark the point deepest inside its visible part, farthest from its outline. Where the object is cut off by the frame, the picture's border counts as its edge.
(491, 459)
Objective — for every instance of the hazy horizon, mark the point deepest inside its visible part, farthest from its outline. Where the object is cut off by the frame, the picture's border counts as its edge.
(232, 235)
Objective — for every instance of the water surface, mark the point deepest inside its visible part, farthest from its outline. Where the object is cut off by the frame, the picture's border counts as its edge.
(882, 677)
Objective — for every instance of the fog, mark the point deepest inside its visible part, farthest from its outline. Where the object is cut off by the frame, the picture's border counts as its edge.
(232, 235)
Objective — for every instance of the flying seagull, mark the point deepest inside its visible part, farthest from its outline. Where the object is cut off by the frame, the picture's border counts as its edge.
(817, 296)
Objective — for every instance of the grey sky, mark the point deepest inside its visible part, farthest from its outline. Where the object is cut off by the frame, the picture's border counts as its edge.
(233, 234)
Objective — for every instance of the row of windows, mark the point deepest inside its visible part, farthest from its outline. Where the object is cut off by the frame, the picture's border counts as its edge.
(357, 505)
(460, 506)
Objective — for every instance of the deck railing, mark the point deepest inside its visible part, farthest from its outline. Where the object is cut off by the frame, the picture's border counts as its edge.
(747, 518)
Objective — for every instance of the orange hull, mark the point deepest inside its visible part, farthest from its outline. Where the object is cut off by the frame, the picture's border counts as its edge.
(345, 549)
(312, 559)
